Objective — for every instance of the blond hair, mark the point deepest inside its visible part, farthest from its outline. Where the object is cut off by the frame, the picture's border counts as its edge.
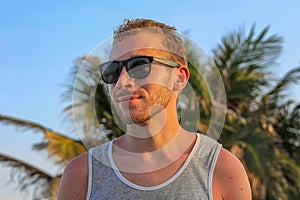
(171, 40)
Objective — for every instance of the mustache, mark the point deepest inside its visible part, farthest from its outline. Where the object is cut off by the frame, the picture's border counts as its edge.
(127, 95)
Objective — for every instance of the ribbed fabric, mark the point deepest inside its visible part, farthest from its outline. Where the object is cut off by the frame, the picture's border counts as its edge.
(192, 181)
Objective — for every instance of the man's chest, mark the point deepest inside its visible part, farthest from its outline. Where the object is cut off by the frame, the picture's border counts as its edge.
(155, 176)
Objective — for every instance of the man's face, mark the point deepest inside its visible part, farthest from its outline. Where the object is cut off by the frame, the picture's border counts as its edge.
(137, 100)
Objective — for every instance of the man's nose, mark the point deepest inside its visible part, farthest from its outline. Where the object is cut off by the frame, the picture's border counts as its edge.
(125, 81)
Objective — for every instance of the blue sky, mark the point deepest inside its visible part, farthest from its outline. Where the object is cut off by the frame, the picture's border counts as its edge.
(40, 39)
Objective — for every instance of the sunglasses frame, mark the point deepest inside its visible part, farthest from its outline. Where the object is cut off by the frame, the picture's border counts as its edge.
(122, 63)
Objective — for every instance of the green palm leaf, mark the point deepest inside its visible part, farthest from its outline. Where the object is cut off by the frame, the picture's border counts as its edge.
(58, 146)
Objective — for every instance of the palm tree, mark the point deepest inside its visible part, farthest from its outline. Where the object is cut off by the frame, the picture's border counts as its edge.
(256, 126)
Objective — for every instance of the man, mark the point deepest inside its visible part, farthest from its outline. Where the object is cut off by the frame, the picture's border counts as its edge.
(156, 158)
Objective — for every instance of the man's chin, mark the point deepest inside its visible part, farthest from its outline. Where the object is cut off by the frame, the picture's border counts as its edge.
(137, 121)
(142, 123)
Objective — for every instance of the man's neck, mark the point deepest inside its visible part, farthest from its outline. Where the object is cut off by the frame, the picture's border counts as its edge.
(151, 142)
(142, 155)
(158, 143)
(154, 134)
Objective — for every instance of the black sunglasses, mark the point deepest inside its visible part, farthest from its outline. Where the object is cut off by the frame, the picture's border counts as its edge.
(137, 67)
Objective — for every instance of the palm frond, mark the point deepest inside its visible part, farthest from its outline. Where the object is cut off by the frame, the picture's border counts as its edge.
(26, 124)
(61, 148)
(275, 94)
(57, 145)
(243, 59)
(28, 176)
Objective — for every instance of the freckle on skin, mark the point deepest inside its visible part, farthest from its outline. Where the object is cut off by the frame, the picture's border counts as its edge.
(241, 188)
(230, 177)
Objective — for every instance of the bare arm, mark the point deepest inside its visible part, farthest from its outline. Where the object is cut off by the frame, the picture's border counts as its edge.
(74, 181)
(230, 181)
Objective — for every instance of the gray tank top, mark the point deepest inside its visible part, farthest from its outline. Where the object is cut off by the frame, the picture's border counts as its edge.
(192, 181)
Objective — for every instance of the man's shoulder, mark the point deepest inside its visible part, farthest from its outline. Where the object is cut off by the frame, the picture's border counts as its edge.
(74, 179)
(227, 160)
(231, 176)
(81, 162)
(78, 163)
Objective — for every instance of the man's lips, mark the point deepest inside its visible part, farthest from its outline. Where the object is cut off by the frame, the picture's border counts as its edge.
(128, 98)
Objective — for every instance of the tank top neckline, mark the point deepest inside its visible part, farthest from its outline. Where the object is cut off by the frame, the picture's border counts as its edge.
(155, 187)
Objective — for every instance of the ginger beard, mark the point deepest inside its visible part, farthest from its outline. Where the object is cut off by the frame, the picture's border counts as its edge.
(145, 106)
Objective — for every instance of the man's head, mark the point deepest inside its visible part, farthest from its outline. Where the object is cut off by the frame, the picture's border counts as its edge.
(149, 70)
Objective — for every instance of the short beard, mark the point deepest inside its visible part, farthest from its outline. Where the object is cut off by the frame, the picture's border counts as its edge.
(154, 105)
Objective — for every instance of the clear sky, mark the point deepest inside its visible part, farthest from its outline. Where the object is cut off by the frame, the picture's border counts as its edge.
(40, 39)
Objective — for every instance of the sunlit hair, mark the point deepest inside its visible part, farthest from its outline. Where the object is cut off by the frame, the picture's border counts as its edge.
(170, 39)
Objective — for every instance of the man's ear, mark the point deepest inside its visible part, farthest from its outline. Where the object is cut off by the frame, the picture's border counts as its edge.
(182, 77)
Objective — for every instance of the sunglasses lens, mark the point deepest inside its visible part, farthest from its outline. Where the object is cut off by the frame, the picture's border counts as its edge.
(110, 72)
(139, 67)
